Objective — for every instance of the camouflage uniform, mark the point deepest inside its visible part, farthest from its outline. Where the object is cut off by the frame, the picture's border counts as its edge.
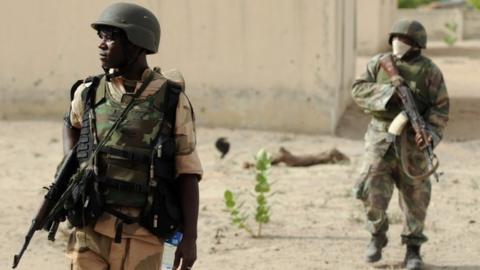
(127, 172)
(381, 168)
(93, 247)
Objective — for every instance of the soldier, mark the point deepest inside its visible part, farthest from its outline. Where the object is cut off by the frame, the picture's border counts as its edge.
(134, 127)
(375, 94)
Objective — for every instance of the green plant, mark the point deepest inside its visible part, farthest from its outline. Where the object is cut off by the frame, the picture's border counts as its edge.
(413, 3)
(450, 37)
(237, 218)
(263, 161)
(475, 3)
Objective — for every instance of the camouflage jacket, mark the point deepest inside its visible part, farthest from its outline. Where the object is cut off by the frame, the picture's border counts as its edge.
(373, 93)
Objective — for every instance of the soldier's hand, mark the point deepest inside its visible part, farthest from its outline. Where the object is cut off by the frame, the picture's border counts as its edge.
(421, 142)
(186, 253)
(397, 80)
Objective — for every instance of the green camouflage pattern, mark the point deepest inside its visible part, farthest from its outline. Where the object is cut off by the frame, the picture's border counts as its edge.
(381, 169)
(373, 92)
(411, 29)
(140, 25)
(135, 134)
(375, 189)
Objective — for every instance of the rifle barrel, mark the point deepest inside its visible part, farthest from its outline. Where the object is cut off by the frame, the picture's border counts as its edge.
(28, 237)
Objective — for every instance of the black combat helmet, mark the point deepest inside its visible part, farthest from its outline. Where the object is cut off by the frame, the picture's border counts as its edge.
(410, 29)
(139, 24)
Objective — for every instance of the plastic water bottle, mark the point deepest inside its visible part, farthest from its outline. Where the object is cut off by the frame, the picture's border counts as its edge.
(169, 248)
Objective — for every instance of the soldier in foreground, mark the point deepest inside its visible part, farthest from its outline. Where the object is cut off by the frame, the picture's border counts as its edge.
(400, 161)
(134, 136)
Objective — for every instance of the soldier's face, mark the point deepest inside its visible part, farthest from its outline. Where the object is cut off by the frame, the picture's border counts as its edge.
(112, 48)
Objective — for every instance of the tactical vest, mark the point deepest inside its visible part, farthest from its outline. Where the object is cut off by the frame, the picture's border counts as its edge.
(414, 73)
(138, 161)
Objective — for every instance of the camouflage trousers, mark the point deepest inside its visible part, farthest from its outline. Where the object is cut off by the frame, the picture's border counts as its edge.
(90, 250)
(375, 189)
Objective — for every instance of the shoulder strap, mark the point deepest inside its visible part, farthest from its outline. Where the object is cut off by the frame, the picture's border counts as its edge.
(171, 101)
(74, 88)
(101, 89)
(174, 86)
(90, 95)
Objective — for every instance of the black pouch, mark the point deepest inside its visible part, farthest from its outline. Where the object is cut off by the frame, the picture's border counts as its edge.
(165, 216)
(84, 205)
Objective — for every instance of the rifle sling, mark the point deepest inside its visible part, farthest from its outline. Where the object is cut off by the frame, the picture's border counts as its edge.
(405, 162)
(64, 196)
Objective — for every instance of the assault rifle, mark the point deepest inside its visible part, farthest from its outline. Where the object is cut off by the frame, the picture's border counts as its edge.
(412, 114)
(46, 218)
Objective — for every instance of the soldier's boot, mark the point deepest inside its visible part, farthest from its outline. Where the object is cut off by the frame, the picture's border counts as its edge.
(374, 248)
(413, 260)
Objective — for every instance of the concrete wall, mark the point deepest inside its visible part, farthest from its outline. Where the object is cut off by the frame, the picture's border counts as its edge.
(471, 24)
(346, 70)
(374, 21)
(434, 21)
(270, 64)
(468, 22)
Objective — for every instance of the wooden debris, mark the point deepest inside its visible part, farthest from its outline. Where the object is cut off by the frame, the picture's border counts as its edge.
(284, 156)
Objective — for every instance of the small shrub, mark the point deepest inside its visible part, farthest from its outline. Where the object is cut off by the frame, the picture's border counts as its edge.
(413, 3)
(263, 161)
(475, 3)
(450, 37)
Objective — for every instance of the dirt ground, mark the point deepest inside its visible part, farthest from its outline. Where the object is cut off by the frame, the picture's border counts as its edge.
(315, 223)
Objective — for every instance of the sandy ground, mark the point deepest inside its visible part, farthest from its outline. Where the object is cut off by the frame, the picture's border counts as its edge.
(315, 223)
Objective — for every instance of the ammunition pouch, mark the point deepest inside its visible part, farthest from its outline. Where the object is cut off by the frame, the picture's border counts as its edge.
(161, 215)
(164, 217)
(84, 204)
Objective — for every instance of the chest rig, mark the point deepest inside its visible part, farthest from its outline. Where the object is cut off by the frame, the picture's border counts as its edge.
(415, 74)
(135, 167)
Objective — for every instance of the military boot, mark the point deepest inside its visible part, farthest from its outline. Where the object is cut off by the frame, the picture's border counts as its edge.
(374, 248)
(413, 260)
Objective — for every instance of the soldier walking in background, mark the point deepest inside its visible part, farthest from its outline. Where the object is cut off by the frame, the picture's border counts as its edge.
(384, 166)
(134, 135)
